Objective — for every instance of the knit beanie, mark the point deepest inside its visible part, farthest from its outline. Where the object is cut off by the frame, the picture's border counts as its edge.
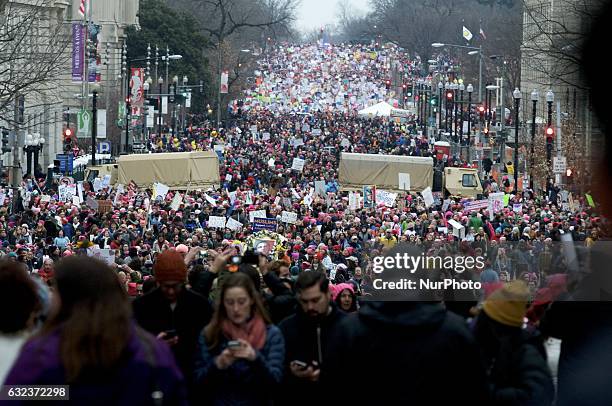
(170, 267)
(508, 304)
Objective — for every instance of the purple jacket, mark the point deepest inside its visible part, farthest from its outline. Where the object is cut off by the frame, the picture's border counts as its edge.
(131, 384)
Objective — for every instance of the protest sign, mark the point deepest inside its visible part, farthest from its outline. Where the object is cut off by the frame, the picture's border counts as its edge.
(264, 224)
(476, 205)
(66, 192)
(428, 197)
(496, 202)
(216, 222)
(233, 224)
(289, 217)
(176, 201)
(256, 213)
(386, 198)
(159, 191)
(105, 255)
(320, 187)
(210, 199)
(298, 164)
(353, 201)
(517, 208)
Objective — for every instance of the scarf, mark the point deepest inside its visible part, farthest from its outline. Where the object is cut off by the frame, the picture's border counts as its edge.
(254, 332)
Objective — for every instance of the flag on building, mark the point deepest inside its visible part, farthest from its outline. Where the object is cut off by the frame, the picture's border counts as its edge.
(83, 8)
(467, 34)
(482, 34)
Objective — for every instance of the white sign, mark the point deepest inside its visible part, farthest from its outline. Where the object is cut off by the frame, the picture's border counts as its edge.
(496, 203)
(297, 142)
(517, 208)
(229, 177)
(289, 217)
(295, 194)
(271, 163)
(320, 187)
(257, 214)
(316, 131)
(176, 201)
(353, 201)
(345, 143)
(43, 198)
(559, 164)
(428, 197)
(298, 164)
(210, 199)
(66, 192)
(101, 127)
(387, 198)
(160, 190)
(232, 196)
(106, 255)
(164, 104)
(76, 201)
(445, 205)
(216, 222)
(265, 137)
(404, 181)
(233, 224)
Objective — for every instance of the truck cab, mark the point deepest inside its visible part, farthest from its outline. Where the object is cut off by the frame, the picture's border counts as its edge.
(100, 171)
(462, 182)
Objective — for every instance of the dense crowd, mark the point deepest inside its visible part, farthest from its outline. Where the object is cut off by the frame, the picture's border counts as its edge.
(238, 316)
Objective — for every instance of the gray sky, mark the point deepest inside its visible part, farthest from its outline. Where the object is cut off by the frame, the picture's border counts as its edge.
(316, 13)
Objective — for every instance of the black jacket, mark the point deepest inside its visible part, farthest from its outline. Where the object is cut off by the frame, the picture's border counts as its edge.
(192, 312)
(412, 353)
(307, 340)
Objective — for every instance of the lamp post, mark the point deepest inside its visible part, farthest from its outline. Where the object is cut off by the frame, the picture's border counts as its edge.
(470, 89)
(517, 103)
(146, 86)
(39, 141)
(461, 89)
(175, 81)
(454, 116)
(440, 87)
(534, 98)
(550, 98)
(446, 105)
(94, 123)
(474, 51)
(160, 82)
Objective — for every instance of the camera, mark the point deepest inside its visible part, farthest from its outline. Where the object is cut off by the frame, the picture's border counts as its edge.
(236, 260)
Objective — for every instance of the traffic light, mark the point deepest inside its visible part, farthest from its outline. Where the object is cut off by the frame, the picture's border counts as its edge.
(449, 95)
(67, 140)
(568, 172)
(5, 141)
(404, 87)
(387, 84)
(481, 112)
(21, 110)
(4, 176)
(409, 92)
(485, 131)
(550, 134)
(433, 101)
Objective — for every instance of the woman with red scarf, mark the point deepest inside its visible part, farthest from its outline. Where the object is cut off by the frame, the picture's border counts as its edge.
(241, 354)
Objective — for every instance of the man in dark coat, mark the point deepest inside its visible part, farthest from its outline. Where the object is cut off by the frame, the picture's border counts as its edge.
(172, 312)
(307, 336)
(414, 352)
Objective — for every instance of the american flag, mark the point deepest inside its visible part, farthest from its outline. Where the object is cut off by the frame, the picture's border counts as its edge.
(83, 8)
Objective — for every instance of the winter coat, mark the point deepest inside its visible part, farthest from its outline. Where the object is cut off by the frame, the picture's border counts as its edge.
(414, 353)
(306, 340)
(192, 312)
(148, 365)
(244, 382)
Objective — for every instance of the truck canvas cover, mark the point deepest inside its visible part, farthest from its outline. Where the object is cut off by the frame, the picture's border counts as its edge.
(357, 170)
(178, 170)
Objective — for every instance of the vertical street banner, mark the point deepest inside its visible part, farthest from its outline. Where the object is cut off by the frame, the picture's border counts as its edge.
(94, 62)
(84, 120)
(137, 87)
(224, 80)
(121, 114)
(101, 124)
(78, 42)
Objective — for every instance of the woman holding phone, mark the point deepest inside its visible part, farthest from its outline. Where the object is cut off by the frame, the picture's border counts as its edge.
(240, 353)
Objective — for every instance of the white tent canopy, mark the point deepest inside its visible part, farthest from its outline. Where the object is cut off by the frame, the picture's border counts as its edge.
(381, 109)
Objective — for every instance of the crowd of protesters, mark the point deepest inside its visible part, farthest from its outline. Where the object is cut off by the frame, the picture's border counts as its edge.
(193, 314)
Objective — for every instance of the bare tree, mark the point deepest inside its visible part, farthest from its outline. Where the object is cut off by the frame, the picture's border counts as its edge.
(32, 45)
(224, 21)
(553, 39)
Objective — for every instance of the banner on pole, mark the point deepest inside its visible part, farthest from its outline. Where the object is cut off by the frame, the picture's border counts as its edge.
(137, 87)
(224, 80)
(78, 43)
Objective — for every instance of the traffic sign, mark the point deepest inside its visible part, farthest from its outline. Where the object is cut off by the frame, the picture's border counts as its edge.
(559, 164)
(104, 147)
(65, 163)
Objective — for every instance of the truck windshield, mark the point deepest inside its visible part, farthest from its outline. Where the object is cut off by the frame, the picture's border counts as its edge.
(468, 180)
(93, 174)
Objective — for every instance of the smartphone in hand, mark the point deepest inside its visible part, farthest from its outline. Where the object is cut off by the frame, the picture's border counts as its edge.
(300, 364)
(234, 344)
(170, 334)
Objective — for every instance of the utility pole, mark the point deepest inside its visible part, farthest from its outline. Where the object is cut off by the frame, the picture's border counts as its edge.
(19, 105)
(94, 125)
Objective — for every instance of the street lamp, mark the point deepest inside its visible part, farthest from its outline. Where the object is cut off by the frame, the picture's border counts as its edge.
(440, 87)
(461, 89)
(550, 98)
(454, 87)
(474, 51)
(446, 104)
(489, 103)
(146, 86)
(534, 98)
(160, 82)
(94, 121)
(175, 81)
(33, 144)
(517, 103)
